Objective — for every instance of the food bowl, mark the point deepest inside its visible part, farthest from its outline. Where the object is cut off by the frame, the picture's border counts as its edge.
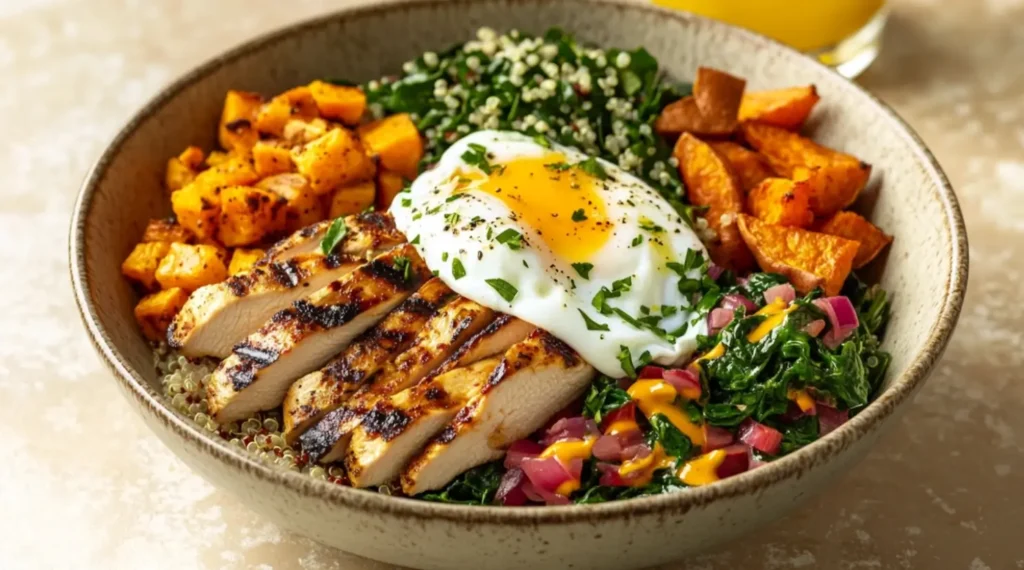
(925, 271)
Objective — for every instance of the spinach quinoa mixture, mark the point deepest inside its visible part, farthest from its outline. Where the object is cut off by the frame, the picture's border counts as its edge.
(781, 365)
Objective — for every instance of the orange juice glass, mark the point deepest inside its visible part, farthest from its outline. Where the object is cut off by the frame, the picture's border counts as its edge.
(845, 34)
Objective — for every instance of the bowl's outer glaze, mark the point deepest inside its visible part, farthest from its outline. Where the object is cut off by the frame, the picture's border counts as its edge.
(926, 271)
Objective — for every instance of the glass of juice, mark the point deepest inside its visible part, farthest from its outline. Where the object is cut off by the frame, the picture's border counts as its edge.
(845, 34)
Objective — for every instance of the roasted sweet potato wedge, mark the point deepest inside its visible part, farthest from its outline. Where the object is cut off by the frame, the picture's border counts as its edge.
(750, 167)
(711, 183)
(711, 111)
(808, 259)
(836, 178)
(781, 201)
(854, 227)
(784, 108)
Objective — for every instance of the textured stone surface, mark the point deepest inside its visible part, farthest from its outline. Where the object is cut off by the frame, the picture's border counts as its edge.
(85, 484)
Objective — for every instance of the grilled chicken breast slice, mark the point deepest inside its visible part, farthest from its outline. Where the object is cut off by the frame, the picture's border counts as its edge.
(366, 231)
(302, 338)
(534, 379)
(443, 333)
(322, 391)
(398, 426)
(495, 339)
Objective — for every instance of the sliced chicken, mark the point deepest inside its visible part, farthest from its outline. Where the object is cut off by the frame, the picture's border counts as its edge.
(322, 391)
(366, 231)
(534, 379)
(398, 426)
(302, 338)
(453, 325)
(495, 339)
(218, 316)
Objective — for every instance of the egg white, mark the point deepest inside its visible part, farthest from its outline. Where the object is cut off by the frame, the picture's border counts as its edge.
(549, 291)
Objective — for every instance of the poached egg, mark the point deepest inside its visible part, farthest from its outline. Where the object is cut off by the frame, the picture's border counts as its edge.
(569, 243)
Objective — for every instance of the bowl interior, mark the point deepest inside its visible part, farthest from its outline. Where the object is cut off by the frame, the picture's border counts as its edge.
(924, 270)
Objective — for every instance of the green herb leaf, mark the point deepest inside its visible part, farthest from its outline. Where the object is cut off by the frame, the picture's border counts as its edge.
(474, 487)
(402, 263)
(578, 215)
(477, 156)
(415, 240)
(512, 238)
(592, 167)
(504, 288)
(333, 236)
(592, 325)
(639, 239)
(603, 397)
(631, 84)
(676, 444)
(626, 361)
(458, 271)
(583, 269)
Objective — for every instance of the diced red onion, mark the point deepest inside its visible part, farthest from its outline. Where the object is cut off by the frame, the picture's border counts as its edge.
(842, 318)
(715, 271)
(610, 475)
(538, 495)
(814, 327)
(575, 468)
(718, 319)
(734, 300)
(607, 448)
(575, 428)
(829, 418)
(637, 450)
(685, 381)
(793, 413)
(715, 437)
(615, 447)
(625, 412)
(546, 474)
(760, 436)
(573, 409)
(510, 489)
(783, 291)
(520, 450)
(650, 372)
(737, 460)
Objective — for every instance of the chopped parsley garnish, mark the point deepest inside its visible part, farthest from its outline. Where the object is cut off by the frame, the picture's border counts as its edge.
(592, 325)
(477, 156)
(583, 269)
(451, 218)
(333, 236)
(578, 215)
(558, 166)
(458, 271)
(592, 167)
(504, 288)
(639, 239)
(444, 256)
(406, 202)
(650, 226)
(542, 141)
(511, 238)
(455, 197)
(402, 263)
(415, 240)
(627, 363)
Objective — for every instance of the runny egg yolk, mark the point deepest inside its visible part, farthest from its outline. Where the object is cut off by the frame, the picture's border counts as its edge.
(556, 199)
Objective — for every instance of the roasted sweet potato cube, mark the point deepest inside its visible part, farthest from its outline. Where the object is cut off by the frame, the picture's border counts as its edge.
(303, 206)
(191, 266)
(396, 142)
(301, 131)
(192, 157)
(248, 214)
(784, 108)
(683, 116)
(835, 178)
(232, 171)
(270, 158)
(334, 160)
(142, 262)
(808, 259)
(855, 227)
(177, 175)
(718, 95)
(236, 131)
(710, 182)
(389, 184)
(750, 167)
(166, 230)
(339, 102)
(155, 312)
(243, 259)
(297, 103)
(217, 157)
(781, 201)
(197, 210)
(352, 199)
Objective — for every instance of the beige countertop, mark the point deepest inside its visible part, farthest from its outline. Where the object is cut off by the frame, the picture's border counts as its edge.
(83, 484)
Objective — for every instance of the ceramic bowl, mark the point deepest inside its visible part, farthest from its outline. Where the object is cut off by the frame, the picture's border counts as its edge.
(926, 271)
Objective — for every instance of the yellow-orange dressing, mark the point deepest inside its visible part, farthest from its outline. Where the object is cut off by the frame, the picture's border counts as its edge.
(776, 312)
(703, 469)
(546, 198)
(622, 426)
(645, 466)
(803, 400)
(655, 396)
(566, 451)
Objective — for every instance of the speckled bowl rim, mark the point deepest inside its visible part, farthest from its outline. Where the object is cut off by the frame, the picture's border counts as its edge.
(791, 466)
